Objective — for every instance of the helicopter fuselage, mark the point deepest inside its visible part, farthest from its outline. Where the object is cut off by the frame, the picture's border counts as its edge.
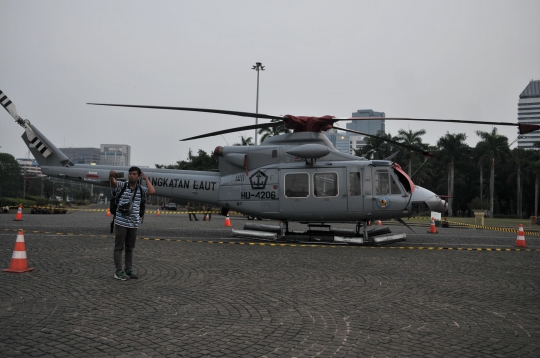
(315, 183)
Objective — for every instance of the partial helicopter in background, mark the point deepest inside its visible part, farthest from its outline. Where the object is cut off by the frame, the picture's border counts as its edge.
(298, 176)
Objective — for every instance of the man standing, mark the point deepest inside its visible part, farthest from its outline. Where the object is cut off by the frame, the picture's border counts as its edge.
(127, 218)
(190, 209)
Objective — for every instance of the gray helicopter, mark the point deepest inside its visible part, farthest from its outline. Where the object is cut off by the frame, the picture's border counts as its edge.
(298, 176)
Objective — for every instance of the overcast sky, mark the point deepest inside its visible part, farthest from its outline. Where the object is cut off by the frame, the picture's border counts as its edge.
(465, 60)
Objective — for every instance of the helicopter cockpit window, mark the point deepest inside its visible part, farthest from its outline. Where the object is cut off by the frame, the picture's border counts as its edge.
(394, 187)
(385, 183)
(296, 185)
(354, 184)
(325, 184)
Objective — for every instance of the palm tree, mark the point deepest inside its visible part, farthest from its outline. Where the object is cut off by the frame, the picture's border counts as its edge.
(413, 139)
(494, 147)
(244, 141)
(452, 147)
(272, 131)
(530, 165)
(376, 148)
(519, 158)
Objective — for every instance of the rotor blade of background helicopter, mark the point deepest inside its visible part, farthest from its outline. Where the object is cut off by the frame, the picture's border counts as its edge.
(523, 127)
(205, 110)
(237, 129)
(9, 106)
(406, 146)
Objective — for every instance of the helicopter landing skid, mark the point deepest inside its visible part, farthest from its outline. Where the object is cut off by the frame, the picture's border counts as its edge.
(377, 240)
(314, 234)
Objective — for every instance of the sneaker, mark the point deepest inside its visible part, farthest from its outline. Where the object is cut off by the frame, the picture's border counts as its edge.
(121, 275)
(130, 274)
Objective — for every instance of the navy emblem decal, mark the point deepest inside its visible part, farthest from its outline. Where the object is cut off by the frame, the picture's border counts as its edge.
(258, 180)
(383, 202)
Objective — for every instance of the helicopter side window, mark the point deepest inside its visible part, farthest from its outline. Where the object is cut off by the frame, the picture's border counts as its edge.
(382, 182)
(325, 184)
(354, 184)
(296, 185)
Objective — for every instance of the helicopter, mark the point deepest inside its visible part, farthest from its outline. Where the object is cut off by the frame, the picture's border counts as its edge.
(298, 176)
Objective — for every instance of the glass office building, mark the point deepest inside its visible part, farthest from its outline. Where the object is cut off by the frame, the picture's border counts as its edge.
(529, 112)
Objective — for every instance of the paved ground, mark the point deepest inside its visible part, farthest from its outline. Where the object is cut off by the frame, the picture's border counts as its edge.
(203, 295)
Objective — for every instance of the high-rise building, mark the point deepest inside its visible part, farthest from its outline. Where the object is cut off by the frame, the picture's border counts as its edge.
(347, 142)
(370, 126)
(29, 166)
(115, 154)
(82, 155)
(529, 112)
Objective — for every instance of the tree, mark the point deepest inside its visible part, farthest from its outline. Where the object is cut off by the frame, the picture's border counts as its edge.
(527, 174)
(273, 131)
(11, 180)
(517, 157)
(244, 141)
(452, 147)
(377, 148)
(534, 166)
(201, 161)
(494, 147)
(428, 172)
(84, 193)
(413, 139)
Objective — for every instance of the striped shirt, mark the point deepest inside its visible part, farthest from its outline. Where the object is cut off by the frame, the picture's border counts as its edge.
(133, 220)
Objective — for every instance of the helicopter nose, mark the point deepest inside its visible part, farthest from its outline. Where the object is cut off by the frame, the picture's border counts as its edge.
(432, 200)
(435, 203)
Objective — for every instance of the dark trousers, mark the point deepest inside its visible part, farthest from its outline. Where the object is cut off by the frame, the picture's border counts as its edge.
(124, 239)
(194, 217)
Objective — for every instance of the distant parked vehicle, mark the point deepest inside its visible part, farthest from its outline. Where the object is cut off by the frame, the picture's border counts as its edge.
(171, 206)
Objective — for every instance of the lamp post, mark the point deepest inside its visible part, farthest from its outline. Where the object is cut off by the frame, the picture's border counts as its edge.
(258, 67)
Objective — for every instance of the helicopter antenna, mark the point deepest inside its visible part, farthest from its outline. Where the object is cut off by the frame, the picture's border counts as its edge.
(425, 160)
(515, 140)
(224, 139)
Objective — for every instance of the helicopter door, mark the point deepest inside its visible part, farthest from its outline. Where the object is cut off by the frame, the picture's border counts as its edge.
(308, 193)
(354, 185)
(388, 195)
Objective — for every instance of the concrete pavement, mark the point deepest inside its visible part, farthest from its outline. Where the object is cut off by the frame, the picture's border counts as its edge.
(201, 294)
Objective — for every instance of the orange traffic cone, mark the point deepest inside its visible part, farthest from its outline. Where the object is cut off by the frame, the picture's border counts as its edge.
(18, 217)
(227, 221)
(108, 212)
(206, 218)
(379, 223)
(158, 213)
(520, 241)
(432, 228)
(19, 262)
(369, 223)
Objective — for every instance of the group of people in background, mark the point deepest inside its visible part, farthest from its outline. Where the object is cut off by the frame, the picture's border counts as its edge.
(205, 209)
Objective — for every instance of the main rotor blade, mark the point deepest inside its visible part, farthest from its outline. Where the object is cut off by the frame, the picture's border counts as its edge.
(205, 110)
(409, 147)
(523, 128)
(237, 129)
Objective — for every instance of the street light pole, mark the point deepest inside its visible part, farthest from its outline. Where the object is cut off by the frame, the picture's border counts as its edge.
(258, 67)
